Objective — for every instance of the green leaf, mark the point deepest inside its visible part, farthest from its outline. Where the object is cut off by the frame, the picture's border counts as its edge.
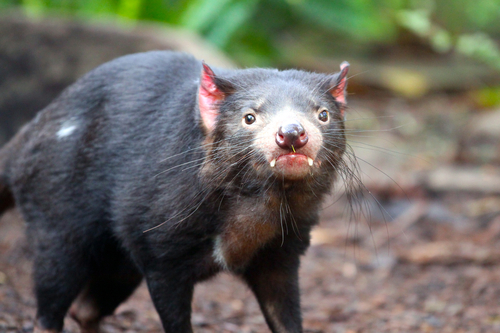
(129, 9)
(230, 20)
(201, 13)
(159, 10)
(33, 7)
(358, 19)
(417, 21)
(97, 7)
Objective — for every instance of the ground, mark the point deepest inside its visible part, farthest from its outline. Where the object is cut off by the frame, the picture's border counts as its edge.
(422, 255)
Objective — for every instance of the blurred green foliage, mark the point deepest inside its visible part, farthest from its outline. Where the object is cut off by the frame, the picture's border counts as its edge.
(268, 32)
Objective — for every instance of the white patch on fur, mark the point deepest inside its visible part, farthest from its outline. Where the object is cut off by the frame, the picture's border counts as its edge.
(67, 128)
(218, 253)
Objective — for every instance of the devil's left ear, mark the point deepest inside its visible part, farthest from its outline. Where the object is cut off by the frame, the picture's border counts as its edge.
(211, 92)
(338, 84)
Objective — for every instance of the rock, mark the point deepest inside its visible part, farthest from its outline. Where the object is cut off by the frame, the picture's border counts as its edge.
(480, 141)
(466, 179)
(486, 124)
(448, 253)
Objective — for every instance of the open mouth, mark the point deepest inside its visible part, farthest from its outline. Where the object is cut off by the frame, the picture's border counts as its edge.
(292, 159)
(292, 165)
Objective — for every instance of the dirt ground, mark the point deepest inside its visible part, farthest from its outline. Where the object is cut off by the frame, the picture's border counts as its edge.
(422, 255)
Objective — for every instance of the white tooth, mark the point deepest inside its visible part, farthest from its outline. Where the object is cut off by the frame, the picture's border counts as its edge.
(273, 163)
(310, 160)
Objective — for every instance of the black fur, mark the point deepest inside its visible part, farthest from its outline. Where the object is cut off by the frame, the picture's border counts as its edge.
(137, 158)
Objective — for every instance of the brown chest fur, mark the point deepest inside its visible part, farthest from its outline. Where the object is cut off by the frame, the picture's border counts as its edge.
(253, 225)
(246, 231)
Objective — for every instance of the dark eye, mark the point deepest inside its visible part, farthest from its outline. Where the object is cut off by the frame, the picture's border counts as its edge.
(249, 119)
(323, 116)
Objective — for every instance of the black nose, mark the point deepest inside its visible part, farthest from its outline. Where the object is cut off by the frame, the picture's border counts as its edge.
(291, 136)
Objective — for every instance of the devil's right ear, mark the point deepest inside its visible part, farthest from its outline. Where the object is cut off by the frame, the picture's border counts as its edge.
(211, 93)
(339, 83)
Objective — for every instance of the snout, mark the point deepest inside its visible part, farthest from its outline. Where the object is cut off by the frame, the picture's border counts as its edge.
(291, 135)
(290, 143)
(295, 163)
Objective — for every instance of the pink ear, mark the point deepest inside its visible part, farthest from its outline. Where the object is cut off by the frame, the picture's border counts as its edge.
(209, 97)
(338, 89)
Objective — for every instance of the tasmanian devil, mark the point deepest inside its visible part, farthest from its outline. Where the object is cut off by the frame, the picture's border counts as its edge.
(154, 165)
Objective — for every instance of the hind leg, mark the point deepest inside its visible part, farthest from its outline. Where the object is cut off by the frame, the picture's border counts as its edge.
(59, 275)
(109, 286)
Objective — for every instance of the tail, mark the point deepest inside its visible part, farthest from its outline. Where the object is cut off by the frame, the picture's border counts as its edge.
(6, 196)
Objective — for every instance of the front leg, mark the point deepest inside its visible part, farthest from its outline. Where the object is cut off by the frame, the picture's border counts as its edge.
(273, 277)
(172, 294)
